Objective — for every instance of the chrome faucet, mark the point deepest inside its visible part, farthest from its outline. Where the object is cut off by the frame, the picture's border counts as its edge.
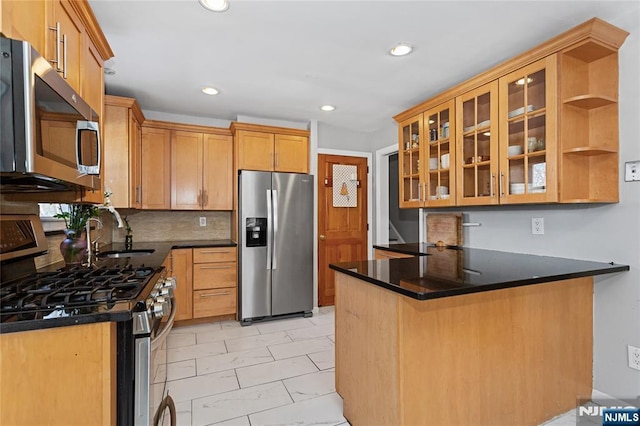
(90, 250)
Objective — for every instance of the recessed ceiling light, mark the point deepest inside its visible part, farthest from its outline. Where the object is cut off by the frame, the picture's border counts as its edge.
(109, 71)
(215, 5)
(210, 91)
(401, 49)
(487, 133)
(327, 107)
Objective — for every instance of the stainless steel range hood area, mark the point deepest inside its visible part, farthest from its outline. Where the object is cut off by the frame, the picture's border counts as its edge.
(50, 138)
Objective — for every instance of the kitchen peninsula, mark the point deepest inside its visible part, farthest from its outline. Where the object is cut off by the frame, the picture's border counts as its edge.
(463, 336)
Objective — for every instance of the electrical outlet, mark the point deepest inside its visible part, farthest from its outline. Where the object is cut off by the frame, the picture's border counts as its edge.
(634, 357)
(203, 221)
(537, 226)
(631, 171)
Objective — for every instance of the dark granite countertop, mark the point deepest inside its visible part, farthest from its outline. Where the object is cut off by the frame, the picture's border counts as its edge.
(120, 311)
(160, 251)
(443, 272)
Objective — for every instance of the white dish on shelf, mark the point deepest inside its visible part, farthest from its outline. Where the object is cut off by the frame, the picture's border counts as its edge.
(467, 129)
(519, 111)
(484, 123)
(515, 150)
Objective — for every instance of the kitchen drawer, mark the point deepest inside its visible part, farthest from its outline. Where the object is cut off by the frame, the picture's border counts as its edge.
(214, 275)
(214, 254)
(211, 303)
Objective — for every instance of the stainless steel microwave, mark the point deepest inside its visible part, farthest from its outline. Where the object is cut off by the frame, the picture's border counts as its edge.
(50, 136)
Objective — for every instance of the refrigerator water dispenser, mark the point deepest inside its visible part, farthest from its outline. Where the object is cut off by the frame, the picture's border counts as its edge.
(256, 229)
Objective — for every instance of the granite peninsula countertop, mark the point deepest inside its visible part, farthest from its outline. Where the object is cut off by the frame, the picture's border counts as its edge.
(443, 272)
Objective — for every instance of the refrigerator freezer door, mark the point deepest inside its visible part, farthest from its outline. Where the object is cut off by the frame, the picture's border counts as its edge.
(292, 274)
(255, 278)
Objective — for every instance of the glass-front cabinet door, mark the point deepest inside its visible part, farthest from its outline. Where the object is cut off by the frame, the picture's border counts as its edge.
(528, 116)
(440, 157)
(477, 124)
(410, 142)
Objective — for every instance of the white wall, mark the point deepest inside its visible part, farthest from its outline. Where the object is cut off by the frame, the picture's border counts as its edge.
(592, 232)
(332, 137)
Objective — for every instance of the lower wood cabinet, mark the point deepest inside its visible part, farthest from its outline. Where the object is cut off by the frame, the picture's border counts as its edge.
(180, 266)
(214, 281)
(206, 281)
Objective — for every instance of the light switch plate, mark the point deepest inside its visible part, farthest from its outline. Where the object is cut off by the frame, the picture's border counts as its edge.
(632, 171)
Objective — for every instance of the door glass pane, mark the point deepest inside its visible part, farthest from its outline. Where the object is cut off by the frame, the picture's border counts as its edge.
(411, 161)
(527, 130)
(476, 146)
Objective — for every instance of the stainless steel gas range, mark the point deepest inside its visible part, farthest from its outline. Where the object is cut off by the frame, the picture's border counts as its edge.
(138, 299)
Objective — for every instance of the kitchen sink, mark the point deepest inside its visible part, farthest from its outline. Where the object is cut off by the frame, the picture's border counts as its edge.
(126, 253)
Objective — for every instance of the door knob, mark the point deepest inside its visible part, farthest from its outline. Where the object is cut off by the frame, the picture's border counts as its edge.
(322, 237)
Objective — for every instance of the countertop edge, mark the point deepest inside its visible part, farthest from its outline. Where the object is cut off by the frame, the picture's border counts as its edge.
(428, 295)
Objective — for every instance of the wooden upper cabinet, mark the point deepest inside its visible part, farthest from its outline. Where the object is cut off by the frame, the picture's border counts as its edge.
(291, 153)
(270, 149)
(24, 20)
(202, 171)
(217, 173)
(255, 150)
(92, 76)
(155, 168)
(186, 170)
(477, 146)
(411, 181)
(121, 140)
(539, 128)
(528, 134)
(65, 40)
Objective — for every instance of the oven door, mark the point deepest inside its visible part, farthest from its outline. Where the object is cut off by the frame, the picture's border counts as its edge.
(152, 401)
(160, 403)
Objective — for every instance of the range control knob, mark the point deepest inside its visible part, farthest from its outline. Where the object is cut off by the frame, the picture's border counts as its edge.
(169, 282)
(166, 291)
(160, 309)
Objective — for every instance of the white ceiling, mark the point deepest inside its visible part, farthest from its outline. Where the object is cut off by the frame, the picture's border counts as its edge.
(284, 59)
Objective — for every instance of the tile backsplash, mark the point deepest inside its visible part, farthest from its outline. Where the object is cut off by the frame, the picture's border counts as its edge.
(174, 225)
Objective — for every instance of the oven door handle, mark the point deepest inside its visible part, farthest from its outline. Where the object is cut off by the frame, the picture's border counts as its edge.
(167, 328)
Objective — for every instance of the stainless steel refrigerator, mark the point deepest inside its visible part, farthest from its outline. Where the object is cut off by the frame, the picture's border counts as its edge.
(275, 236)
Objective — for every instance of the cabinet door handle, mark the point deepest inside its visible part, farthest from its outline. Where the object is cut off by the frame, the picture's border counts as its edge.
(57, 60)
(216, 267)
(205, 198)
(501, 184)
(64, 66)
(226, 293)
(491, 185)
(137, 194)
(277, 157)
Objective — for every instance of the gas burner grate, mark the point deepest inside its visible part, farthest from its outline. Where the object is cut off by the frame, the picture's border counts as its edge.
(73, 288)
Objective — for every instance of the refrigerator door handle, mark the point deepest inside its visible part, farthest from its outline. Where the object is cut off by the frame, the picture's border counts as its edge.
(275, 228)
(269, 228)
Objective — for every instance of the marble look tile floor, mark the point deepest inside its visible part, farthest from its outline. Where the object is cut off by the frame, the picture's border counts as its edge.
(273, 373)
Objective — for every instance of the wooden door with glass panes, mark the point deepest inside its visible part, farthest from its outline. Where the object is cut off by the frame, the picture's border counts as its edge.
(411, 182)
(440, 155)
(477, 147)
(528, 133)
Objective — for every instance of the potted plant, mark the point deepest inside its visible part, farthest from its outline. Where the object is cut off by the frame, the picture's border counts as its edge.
(74, 246)
(128, 239)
